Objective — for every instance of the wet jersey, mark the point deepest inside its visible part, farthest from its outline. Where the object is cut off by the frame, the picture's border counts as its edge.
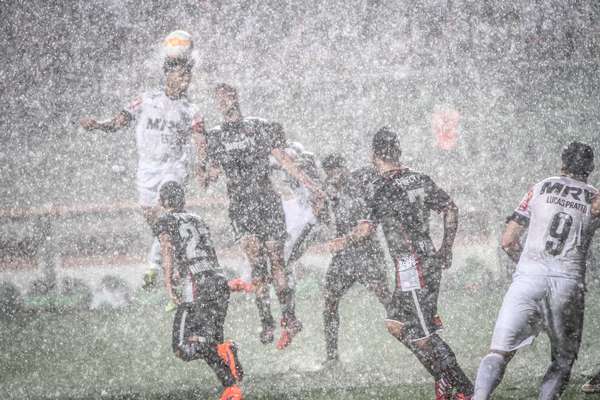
(162, 130)
(242, 150)
(401, 202)
(193, 250)
(349, 206)
(557, 212)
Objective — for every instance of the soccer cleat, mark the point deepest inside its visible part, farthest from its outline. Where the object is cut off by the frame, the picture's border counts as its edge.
(227, 352)
(331, 364)
(267, 334)
(443, 390)
(289, 329)
(239, 285)
(150, 279)
(592, 386)
(170, 306)
(232, 393)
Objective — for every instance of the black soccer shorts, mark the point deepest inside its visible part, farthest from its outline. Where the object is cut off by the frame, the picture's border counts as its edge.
(204, 317)
(259, 214)
(354, 265)
(416, 309)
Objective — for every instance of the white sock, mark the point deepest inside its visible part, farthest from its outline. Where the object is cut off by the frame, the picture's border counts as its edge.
(490, 373)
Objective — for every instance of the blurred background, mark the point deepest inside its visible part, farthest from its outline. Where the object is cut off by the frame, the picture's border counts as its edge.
(483, 94)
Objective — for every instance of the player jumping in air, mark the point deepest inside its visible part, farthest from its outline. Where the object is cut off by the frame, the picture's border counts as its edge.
(361, 261)
(401, 202)
(164, 121)
(241, 147)
(547, 291)
(194, 281)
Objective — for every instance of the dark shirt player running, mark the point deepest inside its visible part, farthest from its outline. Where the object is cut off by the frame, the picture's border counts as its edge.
(362, 261)
(194, 281)
(401, 202)
(241, 147)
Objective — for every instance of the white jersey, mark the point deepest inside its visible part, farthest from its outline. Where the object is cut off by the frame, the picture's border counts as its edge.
(162, 132)
(558, 212)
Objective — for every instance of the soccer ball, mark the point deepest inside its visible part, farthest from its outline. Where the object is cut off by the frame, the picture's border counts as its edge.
(178, 44)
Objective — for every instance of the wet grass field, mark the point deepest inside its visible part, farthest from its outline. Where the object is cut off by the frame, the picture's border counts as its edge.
(127, 354)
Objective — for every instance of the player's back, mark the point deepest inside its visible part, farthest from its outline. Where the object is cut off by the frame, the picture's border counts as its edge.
(194, 251)
(558, 210)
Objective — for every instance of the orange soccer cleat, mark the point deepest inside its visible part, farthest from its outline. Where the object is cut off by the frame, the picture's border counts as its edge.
(227, 351)
(232, 393)
(289, 329)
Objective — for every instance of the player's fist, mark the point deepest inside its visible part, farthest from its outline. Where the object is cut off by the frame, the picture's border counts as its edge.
(88, 123)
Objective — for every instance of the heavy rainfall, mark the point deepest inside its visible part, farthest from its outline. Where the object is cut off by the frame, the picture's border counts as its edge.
(482, 98)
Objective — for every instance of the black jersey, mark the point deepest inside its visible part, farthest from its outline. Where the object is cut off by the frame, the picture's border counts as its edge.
(349, 206)
(242, 150)
(401, 202)
(192, 248)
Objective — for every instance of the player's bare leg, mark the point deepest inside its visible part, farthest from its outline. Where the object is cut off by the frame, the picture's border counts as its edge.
(290, 325)
(260, 280)
(151, 275)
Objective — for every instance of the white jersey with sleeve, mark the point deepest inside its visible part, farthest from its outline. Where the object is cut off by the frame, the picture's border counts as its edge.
(163, 128)
(557, 212)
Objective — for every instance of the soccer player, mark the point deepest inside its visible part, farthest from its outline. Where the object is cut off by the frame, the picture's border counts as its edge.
(547, 290)
(164, 122)
(194, 281)
(298, 208)
(361, 261)
(241, 147)
(401, 202)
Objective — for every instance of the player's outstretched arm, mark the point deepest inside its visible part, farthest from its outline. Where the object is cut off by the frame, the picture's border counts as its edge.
(511, 240)
(450, 215)
(121, 120)
(359, 232)
(289, 166)
(596, 206)
(166, 251)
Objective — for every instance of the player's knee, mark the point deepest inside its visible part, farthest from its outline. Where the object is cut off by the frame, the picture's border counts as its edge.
(395, 328)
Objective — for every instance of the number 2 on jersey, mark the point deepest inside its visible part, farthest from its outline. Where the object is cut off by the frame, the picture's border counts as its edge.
(559, 230)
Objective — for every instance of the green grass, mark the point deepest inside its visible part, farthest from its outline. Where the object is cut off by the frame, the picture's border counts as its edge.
(126, 354)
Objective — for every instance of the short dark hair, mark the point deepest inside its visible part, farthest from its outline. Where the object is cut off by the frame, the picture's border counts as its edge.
(171, 64)
(577, 159)
(226, 87)
(172, 195)
(386, 145)
(333, 160)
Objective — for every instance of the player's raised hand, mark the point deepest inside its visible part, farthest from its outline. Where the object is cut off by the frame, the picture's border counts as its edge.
(88, 123)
